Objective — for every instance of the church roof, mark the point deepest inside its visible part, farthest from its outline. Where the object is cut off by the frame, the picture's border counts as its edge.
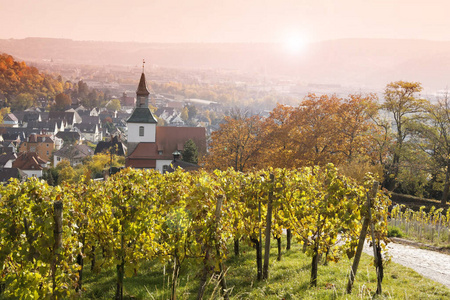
(142, 115)
(142, 87)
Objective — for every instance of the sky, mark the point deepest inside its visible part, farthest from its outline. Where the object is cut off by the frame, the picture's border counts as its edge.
(186, 21)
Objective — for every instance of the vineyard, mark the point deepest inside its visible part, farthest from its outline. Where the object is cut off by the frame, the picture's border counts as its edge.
(430, 227)
(48, 235)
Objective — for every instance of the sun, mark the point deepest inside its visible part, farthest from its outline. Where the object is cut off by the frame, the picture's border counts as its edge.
(295, 44)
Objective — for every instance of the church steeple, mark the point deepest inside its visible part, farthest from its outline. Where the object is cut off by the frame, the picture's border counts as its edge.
(142, 92)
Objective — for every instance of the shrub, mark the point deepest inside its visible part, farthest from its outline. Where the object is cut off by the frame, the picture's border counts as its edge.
(394, 231)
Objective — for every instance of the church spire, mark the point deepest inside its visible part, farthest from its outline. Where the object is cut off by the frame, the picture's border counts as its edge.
(142, 92)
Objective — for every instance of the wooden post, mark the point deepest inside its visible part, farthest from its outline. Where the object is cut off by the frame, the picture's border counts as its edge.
(268, 230)
(362, 238)
(57, 235)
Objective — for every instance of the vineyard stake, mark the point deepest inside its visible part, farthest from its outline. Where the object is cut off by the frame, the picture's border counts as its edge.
(362, 238)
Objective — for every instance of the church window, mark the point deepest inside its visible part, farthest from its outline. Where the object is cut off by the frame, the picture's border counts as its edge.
(141, 130)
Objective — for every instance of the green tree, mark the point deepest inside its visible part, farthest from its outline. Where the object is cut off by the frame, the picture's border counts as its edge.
(3, 112)
(22, 101)
(190, 152)
(401, 101)
(192, 111)
(65, 172)
(185, 114)
(114, 104)
(434, 138)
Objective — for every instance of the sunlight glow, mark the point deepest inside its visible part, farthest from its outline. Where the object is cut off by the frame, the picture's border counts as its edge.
(295, 44)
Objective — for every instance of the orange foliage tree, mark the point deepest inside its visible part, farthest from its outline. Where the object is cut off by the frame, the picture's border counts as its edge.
(322, 129)
(236, 144)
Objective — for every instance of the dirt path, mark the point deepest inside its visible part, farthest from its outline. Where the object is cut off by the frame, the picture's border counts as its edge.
(431, 264)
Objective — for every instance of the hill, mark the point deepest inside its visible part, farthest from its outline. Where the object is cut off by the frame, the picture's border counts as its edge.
(21, 84)
(352, 62)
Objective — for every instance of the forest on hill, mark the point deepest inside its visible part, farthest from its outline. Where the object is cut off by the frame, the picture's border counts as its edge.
(23, 86)
(22, 83)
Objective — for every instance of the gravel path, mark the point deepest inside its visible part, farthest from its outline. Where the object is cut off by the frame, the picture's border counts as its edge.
(431, 264)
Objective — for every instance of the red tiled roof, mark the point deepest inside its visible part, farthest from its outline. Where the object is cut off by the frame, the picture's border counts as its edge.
(28, 161)
(140, 163)
(173, 138)
(144, 151)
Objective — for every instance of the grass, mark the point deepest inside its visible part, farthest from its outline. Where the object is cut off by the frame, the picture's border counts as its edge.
(288, 279)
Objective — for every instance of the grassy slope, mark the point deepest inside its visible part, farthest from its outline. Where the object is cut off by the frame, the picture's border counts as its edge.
(289, 279)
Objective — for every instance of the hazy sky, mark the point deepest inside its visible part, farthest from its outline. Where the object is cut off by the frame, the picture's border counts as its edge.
(224, 20)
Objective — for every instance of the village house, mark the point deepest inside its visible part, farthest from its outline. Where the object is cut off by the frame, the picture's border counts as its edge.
(42, 144)
(30, 163)
(10, 120)
(151, 146)
(74, 154)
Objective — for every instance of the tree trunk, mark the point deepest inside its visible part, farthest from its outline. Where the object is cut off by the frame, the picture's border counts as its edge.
(121, 267)
(203, 277)
(92, 258)
(176, 271)
(268, 231)
(380, 269)
(279, 248)
(377, 258)
(236, 246)
(258, 257)
(288, 239)
(57, 234)
(446, 185)
(325, 262)
(314, 266)
(119, 285)
(362, 238)
(80, 262)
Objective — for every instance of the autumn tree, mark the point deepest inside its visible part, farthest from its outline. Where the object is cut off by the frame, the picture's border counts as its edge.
(315, 132)
(62, 102)
(354, 117)
(236, 143)
(402, 102)
(276, 141)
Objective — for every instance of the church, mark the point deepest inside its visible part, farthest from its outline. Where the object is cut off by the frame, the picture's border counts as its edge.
(151, 146)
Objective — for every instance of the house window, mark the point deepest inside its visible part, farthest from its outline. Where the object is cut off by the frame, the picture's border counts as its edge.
(160, 152)
(48, 153)
(58, 158)
(141, 130)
